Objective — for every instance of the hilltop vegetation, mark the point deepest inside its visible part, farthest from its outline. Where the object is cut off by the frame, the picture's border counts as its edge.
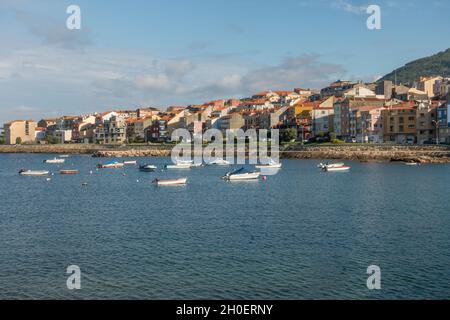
(435, 65)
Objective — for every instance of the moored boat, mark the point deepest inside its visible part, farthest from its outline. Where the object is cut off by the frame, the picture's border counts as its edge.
(112, 165)
(130, 162)
(24, 172)
(331, 165)
(337, 169)
(219, 162)
(64, 156)
(271, 165)
(69, 171)
(179, 166)
(170, 182)
(147, 168)
(55, 161)
(240, 174)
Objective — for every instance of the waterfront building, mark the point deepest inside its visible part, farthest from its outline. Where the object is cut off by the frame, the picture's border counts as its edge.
(366, 124)
(20, 131)
(323, 115)
(342, 108)
(426, 122)
(399, 123)
(136, 128)
(232, 122)
(111, 131)
(443, 117)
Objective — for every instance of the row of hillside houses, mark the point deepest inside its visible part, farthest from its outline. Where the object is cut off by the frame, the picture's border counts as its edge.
(376, 112)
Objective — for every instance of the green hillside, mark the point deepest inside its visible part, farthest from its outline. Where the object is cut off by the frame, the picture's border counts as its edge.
(438, 64)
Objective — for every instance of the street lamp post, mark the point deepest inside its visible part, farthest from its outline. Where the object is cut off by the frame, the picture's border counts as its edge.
(437, 124)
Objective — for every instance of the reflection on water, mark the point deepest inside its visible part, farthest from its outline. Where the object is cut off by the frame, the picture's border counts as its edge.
(301, 233)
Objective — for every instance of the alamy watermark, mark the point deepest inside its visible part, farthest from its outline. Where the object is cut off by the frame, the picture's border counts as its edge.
(241, 147)
(74, 280)
(374, 279)
(73, 22)
(374, 20)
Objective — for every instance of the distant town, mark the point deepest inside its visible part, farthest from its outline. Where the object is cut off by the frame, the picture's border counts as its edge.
(345, 111)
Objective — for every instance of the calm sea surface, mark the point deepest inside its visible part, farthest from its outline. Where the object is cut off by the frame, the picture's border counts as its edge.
(302, 234)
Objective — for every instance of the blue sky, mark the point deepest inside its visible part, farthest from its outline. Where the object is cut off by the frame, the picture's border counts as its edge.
(177, 52)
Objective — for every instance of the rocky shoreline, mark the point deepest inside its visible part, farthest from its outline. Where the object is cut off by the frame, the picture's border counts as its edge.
(421, 154)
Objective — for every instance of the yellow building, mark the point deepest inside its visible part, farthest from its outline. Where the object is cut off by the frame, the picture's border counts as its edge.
(20, 131)
(400, 123)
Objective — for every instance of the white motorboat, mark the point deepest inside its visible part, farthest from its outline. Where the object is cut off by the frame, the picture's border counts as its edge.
(219, 162)
(330, 165)
(412, 163)
(112, 165)
(240, 174)
(64, 156)
(24, 172)
(55, 161)
(147, 168)
(130, 162)
(337, 169)
(170, 182)
(179, 166)
(271, 165)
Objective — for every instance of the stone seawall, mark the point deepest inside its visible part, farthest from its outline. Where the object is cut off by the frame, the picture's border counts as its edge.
(422, 154)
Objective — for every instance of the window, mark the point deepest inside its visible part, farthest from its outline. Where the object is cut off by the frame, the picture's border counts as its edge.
(401, 120)
(401, 128)
(411, 118)
(391, 129)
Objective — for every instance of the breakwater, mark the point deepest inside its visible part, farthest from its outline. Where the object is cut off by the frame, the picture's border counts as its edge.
(422, 154)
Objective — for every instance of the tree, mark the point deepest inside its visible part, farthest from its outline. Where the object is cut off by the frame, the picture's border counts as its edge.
(2, 140)
(51, 139)
(289, 135)
(18, 140)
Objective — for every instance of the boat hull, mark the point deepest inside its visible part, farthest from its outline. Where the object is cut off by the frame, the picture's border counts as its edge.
(337, 169)
(243, 176)
(171, 182)
(33, 173)
(178, 166)
(68, 171)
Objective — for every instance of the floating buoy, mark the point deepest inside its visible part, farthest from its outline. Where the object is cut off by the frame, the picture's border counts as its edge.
(137, 181)
(90, 172)
(264, 178)
(48, 179)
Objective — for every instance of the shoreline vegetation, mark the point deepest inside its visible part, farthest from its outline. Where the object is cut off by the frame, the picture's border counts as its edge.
(356, 152)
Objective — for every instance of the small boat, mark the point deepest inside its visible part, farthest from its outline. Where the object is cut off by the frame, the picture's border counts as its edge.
(240, 174)
(331, 165)
(55, 161)
(219, 162)
(147, 168)
(179, 166)
(64, 156)
(412, 163)
(68, 171)
(336, 169)
(170, 182)
(24, 172)
(112, 165)
(271, 165)
(130, 162)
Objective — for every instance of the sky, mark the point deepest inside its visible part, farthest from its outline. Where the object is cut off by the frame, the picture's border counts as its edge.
(178, 52)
